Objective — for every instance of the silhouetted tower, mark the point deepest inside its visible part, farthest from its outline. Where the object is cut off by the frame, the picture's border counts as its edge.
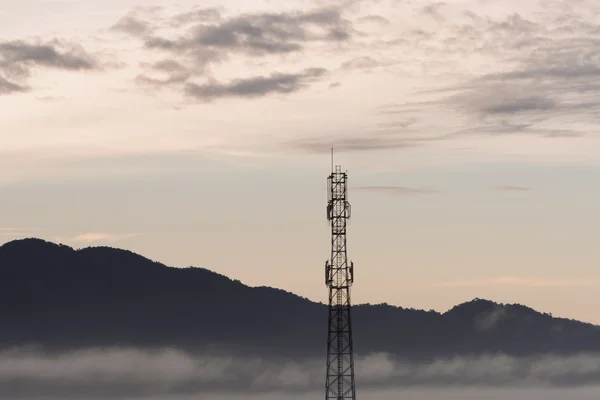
(339, 276)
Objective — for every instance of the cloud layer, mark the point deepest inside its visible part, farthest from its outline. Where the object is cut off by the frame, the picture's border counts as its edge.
(12, 232)
(194, 42)
(396, 190)
(482, 72)
(369, 76)
(520, 281)
(115, 373)
(102, 237)
(538, 74)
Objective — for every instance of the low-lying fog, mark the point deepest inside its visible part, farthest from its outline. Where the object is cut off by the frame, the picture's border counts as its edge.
(168, 374)
(409, 394)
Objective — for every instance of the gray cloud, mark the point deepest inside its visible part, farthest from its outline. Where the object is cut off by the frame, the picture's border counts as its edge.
(510, 188)
(501, 100)
(321, 145)
(375, 19)
(406, 133)
(540, 70)
(169, 66)
(50, 98)
(367, 63)
(512, 126)
(258, 34)
(553, 62)
(349, 5)
(510, 106)
(494, 109)
(7, 87)
(396, 190)
(129, 373)
(256, 86)
(197, 15)
(19, 58)
(132, 25)
(208, 39)
(145, 21)
(403, 123)
(18, 55)
(175, 73)
(537, 72)
(138, 22)
(433, 11)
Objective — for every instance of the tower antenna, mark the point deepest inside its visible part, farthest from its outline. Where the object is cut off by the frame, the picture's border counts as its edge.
(339, 276)
(332, 158)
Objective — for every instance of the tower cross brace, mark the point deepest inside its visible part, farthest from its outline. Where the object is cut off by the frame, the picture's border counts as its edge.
(339, 276)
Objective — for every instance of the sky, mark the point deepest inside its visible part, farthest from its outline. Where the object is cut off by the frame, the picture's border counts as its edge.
(199, 134)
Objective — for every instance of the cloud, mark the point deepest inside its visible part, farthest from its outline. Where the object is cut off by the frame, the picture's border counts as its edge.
(491, 73)
(489, 320)
(197, 14)
(484, 71)
(17, 232)
(17, 55)
(50, 98)
(175, 73)
(509, 188)
(374, 19)
(131, 25)
(140, 21)
(546, 74)
(103, 237)
(19, 58)
(403, 124)
(384, 136)
(520, 281)
(396, 190)
(349, 144)
(406, 133)
(205, 39)
(259, 34)
(256, 86)
(505, 101)
(409, 131)
(367, 63)
(120, 372)
(7, 87)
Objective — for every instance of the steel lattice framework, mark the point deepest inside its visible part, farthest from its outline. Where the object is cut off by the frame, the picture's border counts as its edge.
(339, 276)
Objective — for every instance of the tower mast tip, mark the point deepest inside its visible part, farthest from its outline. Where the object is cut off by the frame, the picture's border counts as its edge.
(331, 157)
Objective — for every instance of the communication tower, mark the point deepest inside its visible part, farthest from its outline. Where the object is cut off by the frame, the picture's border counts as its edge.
(339, 276)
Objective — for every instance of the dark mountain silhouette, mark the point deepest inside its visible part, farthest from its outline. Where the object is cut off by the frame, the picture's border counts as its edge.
(60, 298)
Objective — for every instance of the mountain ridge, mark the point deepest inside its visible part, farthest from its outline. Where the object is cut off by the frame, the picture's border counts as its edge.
(60, 297)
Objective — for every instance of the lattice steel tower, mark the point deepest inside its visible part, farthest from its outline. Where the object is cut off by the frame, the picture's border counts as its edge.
(339, 276)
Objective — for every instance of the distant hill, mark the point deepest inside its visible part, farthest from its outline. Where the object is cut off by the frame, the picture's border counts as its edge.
(57, 297)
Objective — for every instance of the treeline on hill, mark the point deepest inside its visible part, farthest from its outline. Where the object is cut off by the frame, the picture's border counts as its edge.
(60, 298)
